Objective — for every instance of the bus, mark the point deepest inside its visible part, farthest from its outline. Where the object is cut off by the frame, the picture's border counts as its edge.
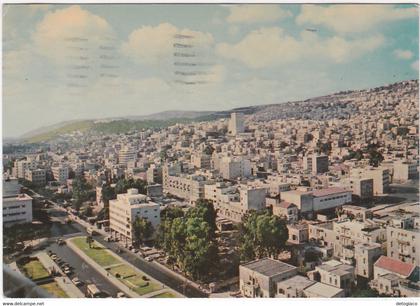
(93, 291)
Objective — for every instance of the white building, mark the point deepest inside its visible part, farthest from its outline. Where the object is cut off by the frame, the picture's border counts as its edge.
(37, 177)
(124, 210)
(231, 168)
(233, 202)
(379, 175)
(21, 166)
(126, 155)
(236, 124)
(404, 171)
(60, 173)
(330, 198)
(17, 207)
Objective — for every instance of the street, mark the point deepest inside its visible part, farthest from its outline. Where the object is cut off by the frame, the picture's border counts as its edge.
(59, 215)
(83, 271)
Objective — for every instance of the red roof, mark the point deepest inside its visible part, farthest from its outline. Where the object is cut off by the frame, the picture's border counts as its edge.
(328, 191)
(285, 204)
(395, 266)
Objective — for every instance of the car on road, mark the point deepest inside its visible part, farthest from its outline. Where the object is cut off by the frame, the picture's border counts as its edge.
(93, 291)
(67, 271)
(77, 282)
(54, 257)
(60, 241)
(121, 295)
(148, 258)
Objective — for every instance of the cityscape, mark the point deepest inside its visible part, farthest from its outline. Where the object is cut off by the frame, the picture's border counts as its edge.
(312, 195)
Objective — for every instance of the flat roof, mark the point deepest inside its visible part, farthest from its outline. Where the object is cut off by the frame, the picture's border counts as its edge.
(328, 191)
(299, 282)
(268, 266)
(323, 290)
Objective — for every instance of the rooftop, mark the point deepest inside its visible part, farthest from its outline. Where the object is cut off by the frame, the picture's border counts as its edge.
(395, 266)
(323, 290)
(268, 266)
(296, 282)
(328, 191)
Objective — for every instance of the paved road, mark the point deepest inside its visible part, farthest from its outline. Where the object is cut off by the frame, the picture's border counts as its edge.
(150, 268)
(155, 271)
(83, 271)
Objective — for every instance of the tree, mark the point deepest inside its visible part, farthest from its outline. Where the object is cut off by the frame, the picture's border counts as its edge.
(189, 240)
(262, 235)
(108, 193)
(204, 209)
(124, 184)
(375, 158)
(171, 213)
(89, 241)
(143, 229)
(80, 192)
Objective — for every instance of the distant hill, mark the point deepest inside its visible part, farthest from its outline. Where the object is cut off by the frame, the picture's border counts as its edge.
(337, 105)
(172, 114)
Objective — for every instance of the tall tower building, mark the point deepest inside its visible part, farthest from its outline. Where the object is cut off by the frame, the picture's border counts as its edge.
(236, 124)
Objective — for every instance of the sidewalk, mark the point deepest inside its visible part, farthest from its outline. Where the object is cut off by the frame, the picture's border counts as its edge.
(63, 281)
(102, 271)
(181, 277)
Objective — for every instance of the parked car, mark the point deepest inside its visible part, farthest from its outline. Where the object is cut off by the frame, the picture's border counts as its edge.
(148, 258)
(121, 295)
(77, 282)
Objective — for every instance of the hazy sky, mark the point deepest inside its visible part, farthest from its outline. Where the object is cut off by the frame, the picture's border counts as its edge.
(64, 62)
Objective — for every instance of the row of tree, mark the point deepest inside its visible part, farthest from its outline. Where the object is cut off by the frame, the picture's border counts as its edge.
(262, 234)
(189, 239)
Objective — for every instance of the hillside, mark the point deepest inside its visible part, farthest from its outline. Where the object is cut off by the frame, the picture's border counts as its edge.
(337, 105)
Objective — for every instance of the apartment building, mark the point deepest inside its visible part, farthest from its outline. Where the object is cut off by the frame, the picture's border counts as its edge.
(126, 155)
(17, 207)
(366, 254)
(380, 176)
(403, 236)
(60, 173)
(336, 274)
(316, 164)
(233, 167)
(350, 232)
(37, 177)
(124, 210)
(360, 187)
(201, 160)
(404, 171)
(185, 186)
(259, 278)
(20, 167)
(154, 174)
(233, 203)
